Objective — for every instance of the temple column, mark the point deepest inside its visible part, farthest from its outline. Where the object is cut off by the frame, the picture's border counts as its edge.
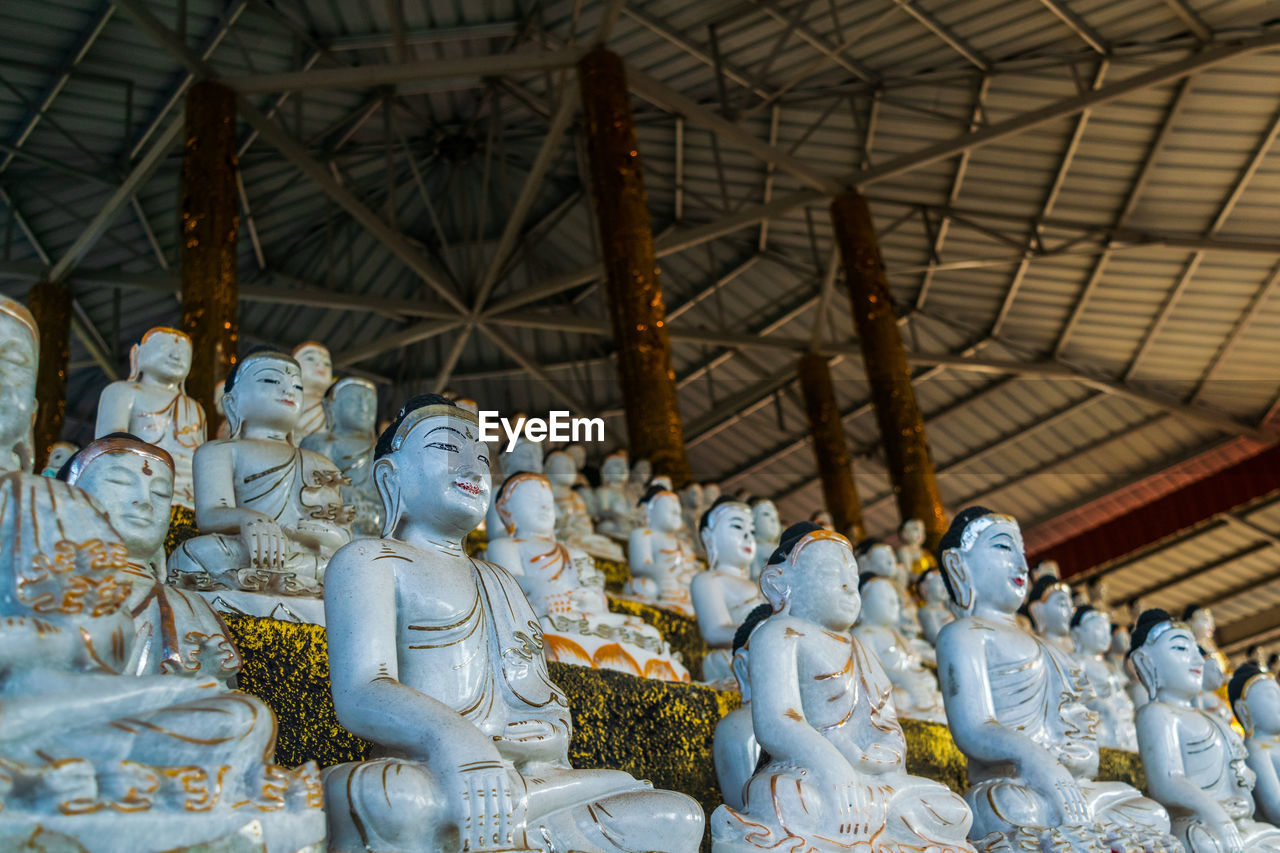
(830, 449)
(631, 275)
(210, 224)
(898, 414)
(50, 304)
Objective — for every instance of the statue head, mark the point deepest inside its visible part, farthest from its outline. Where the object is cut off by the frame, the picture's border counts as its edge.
(931, 588)
(560, 469)
(526, 506)
(881, 604)
(1099, 592)
(1214, 677)
(812, 575)
(1166, 657)
(467, 404)
(1050, 606)
(613, 472)
(263, 389)
(912, 532)
(710, 493)
(19, 356)
(163, 355)
(1091, 630)
(982, 561)
(764, 514)
(1201, 621)
(691, 496)
(578, 454)
(1046, 568)
(661, 510)
(317, 367)
(727, 534)
(741, 639)
(432, 469)
(133, 481)
(641, 471)
(823, 519)
(525, 456)
(351, 406)
(58, 456)
(1119, 640)
(663, 481)
(1255, 699)
(877, 558)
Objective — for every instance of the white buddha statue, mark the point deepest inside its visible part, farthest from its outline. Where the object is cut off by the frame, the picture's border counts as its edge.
(317, 376)
(1255, 696)
(1050, 607)
(911, 553)
(566, 590)
(273, 511)
(724, 594)
(692, 507)
(573, 522)
(823, 519)
(936, 610)
(92, 757)
(662, 566)
(615, 510)
(437, 658)
(526, 456)
(1202, 624)
(1215, 682)
(1091, 634)
(153, 405)
(915, 689)
(638, 482)
(878, 558)
(1014, 706)
(835, 777)
(768, 530)
(1195, 763)
(710, 493)
(735, 749)
(351, 413)
(59, 454)
(578, 454)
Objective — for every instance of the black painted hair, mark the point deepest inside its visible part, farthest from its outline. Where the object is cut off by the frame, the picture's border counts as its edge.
(865, 546)
(866, 578)
(650, 493)
(790, 537)
(951, 539)
(230, 382)
(1041, 586)
(918, 583)
(383, 447)
(1142, 628)
(706, 516)
(754, 618)
(1246, 671)
(65, 471)
(1082, 611)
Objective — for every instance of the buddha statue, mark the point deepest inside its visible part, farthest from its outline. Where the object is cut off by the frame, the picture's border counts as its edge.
(273, 511)
(911, 553)
(153, 405)
(1050, 607)
(437, 658)
(768, 530)
(724, 594)
(662, 566)
(175, 631)
(638, 482)
(735, 749)
(1014, 706)
(1255, 696)
(566, 590)
(317, 375)
(92, 757)
(1195, 763)
(615, 510)
(573, 522)
(1106, 697)
(877, 558)
(691, 507)
(915, 689)
(59, 454)
(1046, 568)
(936, 610)
(581, 485)
(525, 456)
(1202, 624)
(1215, 682)
(821, 709)
(351, 412)
(710, 493)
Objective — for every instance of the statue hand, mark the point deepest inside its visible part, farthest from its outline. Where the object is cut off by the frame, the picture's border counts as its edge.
(265, 543)
(1057, 784)
(494, 804)
(1228, 836)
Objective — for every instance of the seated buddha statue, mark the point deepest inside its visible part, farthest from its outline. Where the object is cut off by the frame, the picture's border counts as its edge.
(581, 484)
(878, 558)
(662, 566)
(615, 510)
(317, 375)
(91, 756)
(525, 456)
(175, 630)
(1106, 697)
(936, 609)
(573, 522)
(915, 689)
(59, 454)
(566, 590)
(724, 594)
(1195, 762)
(351, 412)
(437, 658)
(821, 708)
(638, 481)
(735, 749)
(273, 511)
(153, 405)
(1015, 708)
(692, 507)
(1050, 607)
(768, 530)
(1255, 696)
(1214, 685)
(911, 553)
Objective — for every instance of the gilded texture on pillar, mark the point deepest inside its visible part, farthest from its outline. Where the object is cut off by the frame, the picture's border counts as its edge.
(631, 273)
(210, 224)
(898, 414)
(830, 449)
(50, 304)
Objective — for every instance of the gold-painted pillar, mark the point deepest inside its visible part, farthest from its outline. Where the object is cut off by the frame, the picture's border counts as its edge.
(50, 304)
(631, 274)
(210, 224)
(901, 424)
(830, 449)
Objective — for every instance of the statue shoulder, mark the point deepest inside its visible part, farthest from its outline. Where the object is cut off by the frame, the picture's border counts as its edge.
(315, 461)
(364, 558)
(960, 637)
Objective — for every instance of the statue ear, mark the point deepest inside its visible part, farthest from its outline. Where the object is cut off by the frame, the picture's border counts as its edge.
(707, 538)
(133, 362)
(1241, 709)
(387, 479)
(230, 409)
(1146, 670)
(958, 574)
(741, 673)
(775, 588)
(1035, 609)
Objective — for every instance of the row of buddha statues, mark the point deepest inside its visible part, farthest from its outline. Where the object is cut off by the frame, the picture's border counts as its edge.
(119, 732)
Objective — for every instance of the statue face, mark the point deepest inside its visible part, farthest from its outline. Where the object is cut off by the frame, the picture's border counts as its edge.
(578, 454)
(823, 585)
(1093, 634)
(317, 369)
(17, 381)
(267, 392)
(641, 471)
(527, 456)
(614, 471)
(880, 560)
(355, 408)
(1120, 641)
(691, 497)
(440, 476)
(765, 516)
(1202, 624)
(1214, 677)
(59, 454)
(730, 535)
(933, 589)
(912, 531)
(664, 514)
(1053, 615)
(1263, 702)
(560, 469)
(995, 568)
(532, 508)
(710, 494)
(136, 492)
(1175, 662)
(165, 356)
(880, 603)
